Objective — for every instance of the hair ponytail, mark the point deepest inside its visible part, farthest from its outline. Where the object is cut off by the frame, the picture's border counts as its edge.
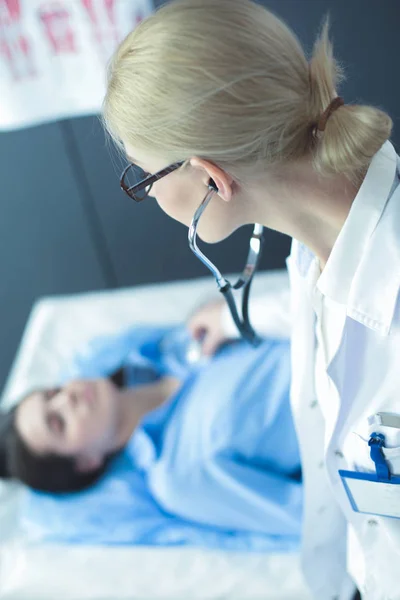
(353, 133)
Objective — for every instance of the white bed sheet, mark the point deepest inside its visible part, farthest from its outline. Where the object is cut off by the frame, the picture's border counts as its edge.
(56, 328)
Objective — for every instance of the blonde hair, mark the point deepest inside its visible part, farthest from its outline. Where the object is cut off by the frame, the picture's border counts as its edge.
(227, 80)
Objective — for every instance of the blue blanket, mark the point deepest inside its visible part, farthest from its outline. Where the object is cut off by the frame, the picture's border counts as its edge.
(215, 466)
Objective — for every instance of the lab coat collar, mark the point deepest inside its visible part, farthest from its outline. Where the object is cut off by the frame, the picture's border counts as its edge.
(363, 269)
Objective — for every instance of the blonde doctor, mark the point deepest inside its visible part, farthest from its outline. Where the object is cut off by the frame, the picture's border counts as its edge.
(217, 97)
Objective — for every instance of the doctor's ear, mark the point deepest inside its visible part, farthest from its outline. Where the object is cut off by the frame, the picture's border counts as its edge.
(214, 176)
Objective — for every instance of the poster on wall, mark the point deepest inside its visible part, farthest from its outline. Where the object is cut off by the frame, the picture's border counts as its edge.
(54, 55)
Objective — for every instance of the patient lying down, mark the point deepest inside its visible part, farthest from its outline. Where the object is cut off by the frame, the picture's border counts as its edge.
(210, 444)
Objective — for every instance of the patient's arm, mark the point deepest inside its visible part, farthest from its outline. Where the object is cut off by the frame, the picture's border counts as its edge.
(259, 500)
(226, 493)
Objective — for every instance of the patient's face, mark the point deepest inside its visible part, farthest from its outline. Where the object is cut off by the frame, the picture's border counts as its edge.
(78, 420)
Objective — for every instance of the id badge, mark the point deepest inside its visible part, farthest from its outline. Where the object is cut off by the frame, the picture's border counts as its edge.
(374, 493)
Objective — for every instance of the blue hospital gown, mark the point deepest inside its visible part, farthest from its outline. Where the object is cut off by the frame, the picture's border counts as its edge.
(219, 457)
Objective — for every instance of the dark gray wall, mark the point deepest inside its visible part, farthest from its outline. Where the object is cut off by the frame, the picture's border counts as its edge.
(66, 227)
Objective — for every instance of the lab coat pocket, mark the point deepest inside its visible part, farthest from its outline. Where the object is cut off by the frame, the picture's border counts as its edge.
(391, 450)
(392, 456)
(357, 453)
(357, 450)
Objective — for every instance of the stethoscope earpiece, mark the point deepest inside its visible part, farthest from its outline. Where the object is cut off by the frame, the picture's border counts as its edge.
(212, 185)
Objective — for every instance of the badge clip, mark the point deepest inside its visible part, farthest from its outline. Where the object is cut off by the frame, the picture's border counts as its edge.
(376, 443)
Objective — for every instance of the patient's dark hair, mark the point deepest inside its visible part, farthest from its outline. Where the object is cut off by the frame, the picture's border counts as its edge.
(46, 473)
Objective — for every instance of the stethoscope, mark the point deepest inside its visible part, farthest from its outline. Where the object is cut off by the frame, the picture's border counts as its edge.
(244, 282)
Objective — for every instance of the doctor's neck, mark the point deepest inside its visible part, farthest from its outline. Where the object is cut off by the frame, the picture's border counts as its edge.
(296, 201)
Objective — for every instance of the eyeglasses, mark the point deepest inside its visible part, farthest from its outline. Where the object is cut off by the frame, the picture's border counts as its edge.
(139, 190)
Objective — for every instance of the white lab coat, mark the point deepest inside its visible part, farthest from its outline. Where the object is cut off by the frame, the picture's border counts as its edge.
(358, 295)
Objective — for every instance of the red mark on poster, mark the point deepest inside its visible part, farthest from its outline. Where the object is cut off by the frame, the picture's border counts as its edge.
(56, 21)
(15, 48)
(103, 21)
(137, 18)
